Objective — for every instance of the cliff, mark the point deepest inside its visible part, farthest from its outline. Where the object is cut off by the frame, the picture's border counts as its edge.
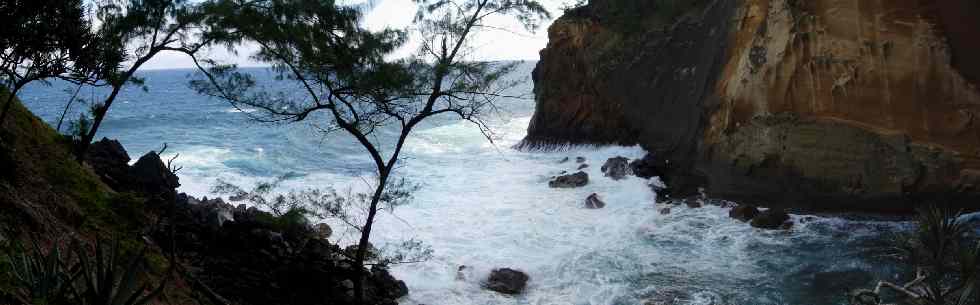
(824, 105)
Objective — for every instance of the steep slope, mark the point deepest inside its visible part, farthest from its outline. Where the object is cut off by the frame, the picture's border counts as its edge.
(833, 105)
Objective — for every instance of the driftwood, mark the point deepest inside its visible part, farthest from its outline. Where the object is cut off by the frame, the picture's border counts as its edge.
(914, 290)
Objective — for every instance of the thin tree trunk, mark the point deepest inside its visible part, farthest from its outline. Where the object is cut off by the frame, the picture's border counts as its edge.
(68, 106)
(97, 121)
(366, 236)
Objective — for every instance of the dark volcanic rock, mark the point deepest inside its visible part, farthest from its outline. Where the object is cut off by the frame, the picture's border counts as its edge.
(616, 168)
(578, 179)
(593, 202)
(770, 219)
(507, 281)
(743, 212)
(110, 161)
(648, 167)
(152, 177)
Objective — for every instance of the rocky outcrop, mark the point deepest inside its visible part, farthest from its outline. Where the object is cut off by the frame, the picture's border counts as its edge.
(593, 202)
(616, 168)
(771, 219)
(744, 212)
(578, 179)
(823, 105)
(507, 281)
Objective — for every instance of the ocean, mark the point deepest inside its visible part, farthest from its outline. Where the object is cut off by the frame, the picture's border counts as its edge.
(486, 205)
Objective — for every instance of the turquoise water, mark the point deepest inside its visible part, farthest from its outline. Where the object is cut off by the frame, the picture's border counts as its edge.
(486, 205)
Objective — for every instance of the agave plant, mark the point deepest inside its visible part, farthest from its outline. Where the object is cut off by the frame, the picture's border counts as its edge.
(41, 275)
(103, 282)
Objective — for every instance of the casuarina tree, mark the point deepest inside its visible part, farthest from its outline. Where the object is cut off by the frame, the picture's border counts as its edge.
(351, 83)
(41, 40)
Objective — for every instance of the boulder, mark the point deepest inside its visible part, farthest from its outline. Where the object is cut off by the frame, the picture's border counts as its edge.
(665, 211)
(507, 281)
(593, 202)
(579, 160)
(583, 166)
(743, 212)
(151, 176)
(693, 202)
(110, 161)
(770, 219)
(578, 179)
(323, 231)
(563, 160)
(648, 167)
(616, 168)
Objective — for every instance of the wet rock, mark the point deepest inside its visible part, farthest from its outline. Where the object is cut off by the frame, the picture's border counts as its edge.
(648, 167)
(743, 212)
(563, 160)
(578, 179)
(770, 219)
(579, 159)
(616, 168)
(593, 202)
(693, 203)
(323, 231)
(110, 161)
(583, 166)
(461, 273)
(507, 281)
(386, 286)
(665, 211)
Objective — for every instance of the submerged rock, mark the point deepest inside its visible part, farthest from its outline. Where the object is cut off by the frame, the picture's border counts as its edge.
(743, 212)
(593, 202)
(507, 281)
(616, 168)
(578, 179)
(583, 166)
(770, 219)
(579, 159)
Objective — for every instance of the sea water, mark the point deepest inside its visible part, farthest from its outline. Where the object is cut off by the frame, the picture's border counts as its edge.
(485, 205)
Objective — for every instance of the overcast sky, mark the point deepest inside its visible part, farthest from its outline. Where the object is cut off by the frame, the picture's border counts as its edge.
(514, 43)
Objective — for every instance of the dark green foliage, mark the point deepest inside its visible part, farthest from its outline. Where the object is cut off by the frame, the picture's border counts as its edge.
(41, 276)
(111, 279)
(102, 275)
(40, 40)
(944, 253)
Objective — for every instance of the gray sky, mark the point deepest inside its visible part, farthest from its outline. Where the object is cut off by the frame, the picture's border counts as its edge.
(514, 43)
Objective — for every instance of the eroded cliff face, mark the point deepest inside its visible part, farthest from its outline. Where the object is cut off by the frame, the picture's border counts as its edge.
(855, 105)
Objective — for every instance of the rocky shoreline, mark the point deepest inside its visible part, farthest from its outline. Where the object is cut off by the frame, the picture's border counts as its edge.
(808, 105)
(241, 254)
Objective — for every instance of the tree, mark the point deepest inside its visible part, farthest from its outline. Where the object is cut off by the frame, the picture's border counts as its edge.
(945, 257)
(131, 33)
(349, 81)
(41, 40)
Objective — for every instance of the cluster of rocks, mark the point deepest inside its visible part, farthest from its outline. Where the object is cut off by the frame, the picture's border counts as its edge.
(770, 219)
(243, 254)
(616, 168)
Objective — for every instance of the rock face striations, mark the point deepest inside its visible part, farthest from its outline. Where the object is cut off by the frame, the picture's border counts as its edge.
(824, 105)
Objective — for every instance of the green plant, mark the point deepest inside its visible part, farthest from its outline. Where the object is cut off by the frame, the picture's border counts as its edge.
(945, 256)
(41, 277)
(103, 282)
